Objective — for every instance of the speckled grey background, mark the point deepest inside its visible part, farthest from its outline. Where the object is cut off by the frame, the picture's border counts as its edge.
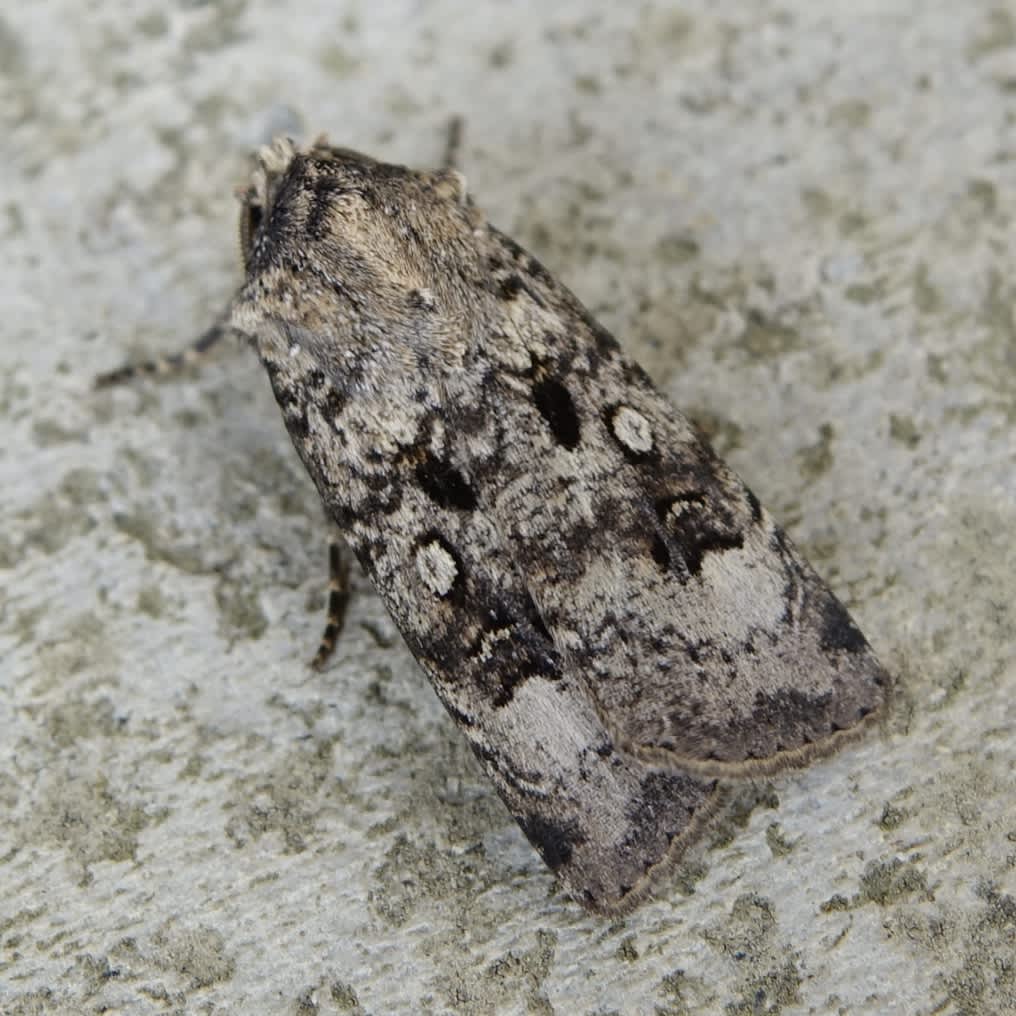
(798, 215)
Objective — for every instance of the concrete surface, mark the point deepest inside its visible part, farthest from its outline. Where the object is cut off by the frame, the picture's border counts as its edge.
(798, 215)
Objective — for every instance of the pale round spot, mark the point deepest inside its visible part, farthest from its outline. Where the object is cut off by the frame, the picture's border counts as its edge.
(436, 567)
(632, 430)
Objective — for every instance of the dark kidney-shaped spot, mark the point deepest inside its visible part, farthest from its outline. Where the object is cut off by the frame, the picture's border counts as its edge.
(556, 407)
(445, 485)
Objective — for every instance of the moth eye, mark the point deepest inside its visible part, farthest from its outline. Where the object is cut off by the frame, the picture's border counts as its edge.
(250, 220)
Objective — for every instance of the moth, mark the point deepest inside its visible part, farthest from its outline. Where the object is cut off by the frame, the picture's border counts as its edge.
(607, 612)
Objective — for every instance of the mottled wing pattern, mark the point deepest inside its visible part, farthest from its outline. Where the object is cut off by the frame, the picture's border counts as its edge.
(601, 818)
(702, 634)
(602, 606)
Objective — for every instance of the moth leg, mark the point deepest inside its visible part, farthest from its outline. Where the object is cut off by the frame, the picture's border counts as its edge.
(338, 598)
(170, 363)
(453, 144)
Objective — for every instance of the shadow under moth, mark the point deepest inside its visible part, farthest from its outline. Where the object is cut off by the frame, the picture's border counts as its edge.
(607, 612)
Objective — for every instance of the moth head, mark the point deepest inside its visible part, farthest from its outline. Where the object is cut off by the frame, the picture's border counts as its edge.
(378, 233)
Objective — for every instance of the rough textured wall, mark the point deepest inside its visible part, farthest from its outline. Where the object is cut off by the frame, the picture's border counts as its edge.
(798, 216)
